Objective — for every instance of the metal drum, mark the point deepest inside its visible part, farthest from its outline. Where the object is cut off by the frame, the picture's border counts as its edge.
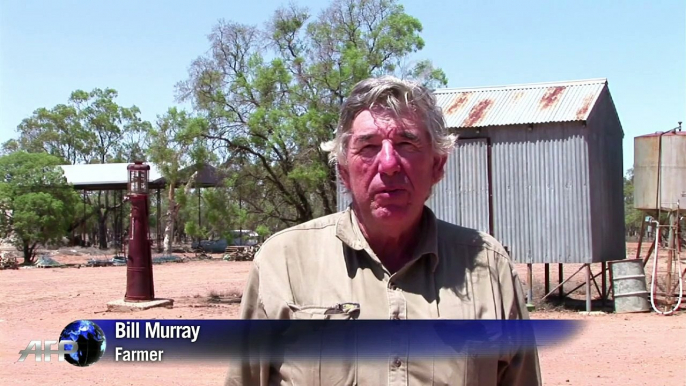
(629, 286)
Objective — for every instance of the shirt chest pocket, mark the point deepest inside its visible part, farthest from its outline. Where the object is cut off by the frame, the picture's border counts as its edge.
(330, 358)
(338, 311)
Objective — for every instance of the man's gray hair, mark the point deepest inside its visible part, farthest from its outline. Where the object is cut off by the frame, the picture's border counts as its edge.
(398, 97)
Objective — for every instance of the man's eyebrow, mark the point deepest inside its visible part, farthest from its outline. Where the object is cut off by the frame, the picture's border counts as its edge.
(409, 135)
(363, 138)
(405, 134)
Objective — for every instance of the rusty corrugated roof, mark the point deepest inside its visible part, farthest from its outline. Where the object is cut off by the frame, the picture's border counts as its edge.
(520, 104)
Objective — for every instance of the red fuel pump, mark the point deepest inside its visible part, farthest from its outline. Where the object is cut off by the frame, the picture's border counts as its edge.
(139, 279)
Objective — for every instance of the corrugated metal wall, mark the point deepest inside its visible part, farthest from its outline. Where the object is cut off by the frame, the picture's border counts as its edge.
(541, 200)
(461, 197)
(606, 179)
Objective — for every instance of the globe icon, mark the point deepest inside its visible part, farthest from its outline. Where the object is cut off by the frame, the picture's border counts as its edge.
(90, 339)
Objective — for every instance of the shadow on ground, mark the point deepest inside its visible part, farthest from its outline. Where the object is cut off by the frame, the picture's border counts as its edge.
(574, 305)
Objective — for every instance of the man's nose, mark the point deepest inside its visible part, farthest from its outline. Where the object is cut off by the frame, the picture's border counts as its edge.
(388, 159)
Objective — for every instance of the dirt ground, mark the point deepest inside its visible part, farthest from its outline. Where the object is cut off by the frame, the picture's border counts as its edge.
(611, 349)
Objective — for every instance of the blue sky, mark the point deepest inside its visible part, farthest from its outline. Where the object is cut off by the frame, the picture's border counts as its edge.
(143, 48)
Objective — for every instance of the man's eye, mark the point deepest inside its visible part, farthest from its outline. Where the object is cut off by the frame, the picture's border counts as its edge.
(370, 148)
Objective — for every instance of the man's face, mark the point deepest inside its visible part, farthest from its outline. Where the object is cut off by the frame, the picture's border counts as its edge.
(390, 168)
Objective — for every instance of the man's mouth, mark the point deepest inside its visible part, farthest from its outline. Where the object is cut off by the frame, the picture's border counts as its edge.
(390, 191)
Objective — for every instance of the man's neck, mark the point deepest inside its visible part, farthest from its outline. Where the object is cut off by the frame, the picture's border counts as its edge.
(394, 249)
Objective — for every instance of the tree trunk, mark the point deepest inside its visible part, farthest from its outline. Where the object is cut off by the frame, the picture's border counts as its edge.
(102, 222)
(93, 237)
(102, 232)
(28, 253)
(169, 227)
(169, 232)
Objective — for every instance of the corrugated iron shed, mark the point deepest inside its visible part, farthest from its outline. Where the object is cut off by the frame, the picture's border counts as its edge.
(520, 104)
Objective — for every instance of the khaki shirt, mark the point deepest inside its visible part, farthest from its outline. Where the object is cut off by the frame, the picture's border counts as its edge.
(455, 273)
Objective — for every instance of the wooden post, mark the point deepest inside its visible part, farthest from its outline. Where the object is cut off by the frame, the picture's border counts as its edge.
(603, 280)
(530, 283)
(588, 288)
(547, 278)
(560, 278)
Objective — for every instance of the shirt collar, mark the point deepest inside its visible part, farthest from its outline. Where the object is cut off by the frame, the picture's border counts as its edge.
(349, 232)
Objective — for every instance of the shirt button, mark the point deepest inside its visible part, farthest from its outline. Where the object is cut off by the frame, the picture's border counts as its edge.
(396, 317)
(397, 362)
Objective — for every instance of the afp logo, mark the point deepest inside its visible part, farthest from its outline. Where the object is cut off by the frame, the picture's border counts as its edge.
(81, 343)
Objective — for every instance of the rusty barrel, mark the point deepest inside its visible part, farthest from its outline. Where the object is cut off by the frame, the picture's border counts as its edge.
(629, 286)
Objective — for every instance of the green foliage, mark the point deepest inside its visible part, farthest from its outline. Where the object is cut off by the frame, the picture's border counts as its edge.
(36, 202)
(272, 95)
(90, 128)
(194, 230)
(57, 131)
(263, 231)
(218, 215)
(174, 146)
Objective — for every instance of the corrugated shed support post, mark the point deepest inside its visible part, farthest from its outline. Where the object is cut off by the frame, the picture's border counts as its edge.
(530, 283)
(603, 267)
(560, 278)
(547, 278)
(588, 288)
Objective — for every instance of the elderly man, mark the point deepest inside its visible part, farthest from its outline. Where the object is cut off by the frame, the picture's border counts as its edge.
(387, 256)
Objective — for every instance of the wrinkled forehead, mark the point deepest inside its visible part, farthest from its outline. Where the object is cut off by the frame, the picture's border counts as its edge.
(378, 120)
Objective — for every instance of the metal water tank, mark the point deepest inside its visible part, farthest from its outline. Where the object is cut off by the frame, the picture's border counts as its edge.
(667, 150)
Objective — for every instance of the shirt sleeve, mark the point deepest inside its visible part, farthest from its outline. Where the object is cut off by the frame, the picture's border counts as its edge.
(522, 366)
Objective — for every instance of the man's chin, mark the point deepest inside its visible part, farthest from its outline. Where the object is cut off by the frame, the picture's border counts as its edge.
(391, 212)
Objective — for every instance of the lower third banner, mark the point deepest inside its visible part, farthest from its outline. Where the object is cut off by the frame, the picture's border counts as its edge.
(221, 340)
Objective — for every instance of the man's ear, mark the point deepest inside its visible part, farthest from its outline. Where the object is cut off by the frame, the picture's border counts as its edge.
(439, 168)
(343, 174)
